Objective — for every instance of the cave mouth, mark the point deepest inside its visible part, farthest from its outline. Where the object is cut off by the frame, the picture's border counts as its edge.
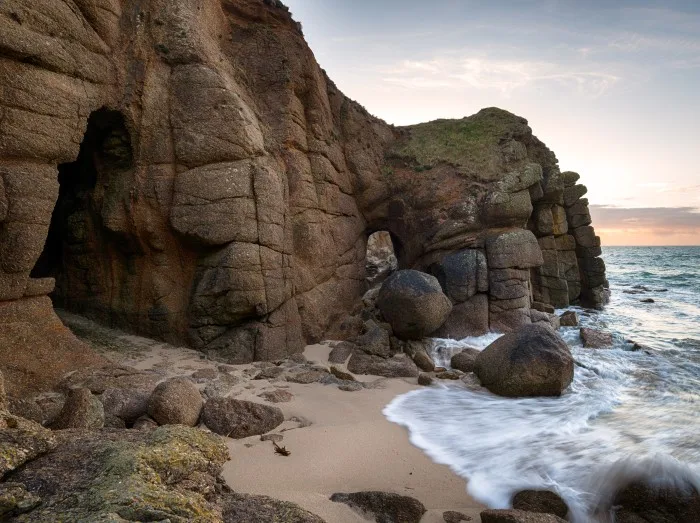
(77, 247)
(381, 257)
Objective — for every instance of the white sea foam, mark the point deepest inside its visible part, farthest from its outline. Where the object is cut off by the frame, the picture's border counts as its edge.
(628, 414)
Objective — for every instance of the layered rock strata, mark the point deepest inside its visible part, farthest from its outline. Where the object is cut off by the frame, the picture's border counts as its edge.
(188, 172)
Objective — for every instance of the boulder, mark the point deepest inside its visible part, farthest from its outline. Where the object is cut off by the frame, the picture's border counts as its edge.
(532, 361)
(176, 401)
(413, 303)
(644, 503)
(239, 419)
(341, 352)
(126, 404)
(544, 501)
(385, 507)
(595, 339)
(465, 360)
(81, 410)
(306, 376)
(518, 516)
(248, 508)
(375, 341)
(568, 319)
(398, 366)
(425, 379)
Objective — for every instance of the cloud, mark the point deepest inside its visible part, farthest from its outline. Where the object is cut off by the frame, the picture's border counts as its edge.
(505, 76)
(656, 220)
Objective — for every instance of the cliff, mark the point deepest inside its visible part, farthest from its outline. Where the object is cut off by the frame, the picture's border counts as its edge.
(185, 170)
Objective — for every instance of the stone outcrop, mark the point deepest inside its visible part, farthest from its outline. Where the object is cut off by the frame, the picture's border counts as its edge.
(190, 173)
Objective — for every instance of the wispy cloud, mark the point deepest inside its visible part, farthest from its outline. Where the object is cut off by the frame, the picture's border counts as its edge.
(659, 220)
(480, 72)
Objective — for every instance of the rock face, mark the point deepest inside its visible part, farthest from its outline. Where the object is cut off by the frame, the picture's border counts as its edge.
(191, 174)
(413, 303)
(532, 361)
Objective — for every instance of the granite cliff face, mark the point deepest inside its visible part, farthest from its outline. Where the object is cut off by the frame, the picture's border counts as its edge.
(187, 171)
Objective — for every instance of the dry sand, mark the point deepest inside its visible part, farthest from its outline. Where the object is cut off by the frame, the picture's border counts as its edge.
(349, 446)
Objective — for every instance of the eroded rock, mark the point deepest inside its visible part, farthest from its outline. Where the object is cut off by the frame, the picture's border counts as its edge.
(176, 401)
(384, 507)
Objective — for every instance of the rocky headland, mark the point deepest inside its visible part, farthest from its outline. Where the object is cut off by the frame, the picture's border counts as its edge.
(187, 173)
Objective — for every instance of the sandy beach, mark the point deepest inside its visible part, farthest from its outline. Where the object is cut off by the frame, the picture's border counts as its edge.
(349, 447)
(339, 441)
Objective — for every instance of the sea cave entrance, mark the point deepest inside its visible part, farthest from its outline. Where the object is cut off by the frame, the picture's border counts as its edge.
(381, 258)
(80, 246)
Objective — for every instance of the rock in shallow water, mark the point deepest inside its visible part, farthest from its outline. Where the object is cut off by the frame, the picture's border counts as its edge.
(532, 361)
(544, 501)
(465, 360)
(385, 507)
(518, 516)
(595, 339)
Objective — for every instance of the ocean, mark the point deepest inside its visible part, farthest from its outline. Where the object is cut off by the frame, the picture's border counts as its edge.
(631, 411)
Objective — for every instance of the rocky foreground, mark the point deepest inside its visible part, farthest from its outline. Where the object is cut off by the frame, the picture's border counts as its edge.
(159, 434)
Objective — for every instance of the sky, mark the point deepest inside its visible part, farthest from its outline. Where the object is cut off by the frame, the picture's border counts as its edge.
(612, 87)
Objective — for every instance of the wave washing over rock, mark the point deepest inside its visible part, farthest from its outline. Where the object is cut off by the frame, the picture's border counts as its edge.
(631, 412)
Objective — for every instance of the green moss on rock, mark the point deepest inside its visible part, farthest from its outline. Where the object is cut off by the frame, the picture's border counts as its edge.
(471, 143)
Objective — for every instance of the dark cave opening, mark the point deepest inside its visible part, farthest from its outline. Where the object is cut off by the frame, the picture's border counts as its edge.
(76, 242)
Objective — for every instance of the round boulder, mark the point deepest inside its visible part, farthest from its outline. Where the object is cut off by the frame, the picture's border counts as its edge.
(465, 360)
(413, 303)
(176, 402)
(532, 361)
(240, 419)
(542, 501)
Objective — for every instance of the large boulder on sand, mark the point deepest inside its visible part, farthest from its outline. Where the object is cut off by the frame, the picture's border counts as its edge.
(385, 507)
(240, 419)
(532, 361)
(176, 402)
(398, 366)
(413, 303)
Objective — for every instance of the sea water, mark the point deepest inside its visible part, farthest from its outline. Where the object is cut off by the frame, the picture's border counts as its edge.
(632, 411)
